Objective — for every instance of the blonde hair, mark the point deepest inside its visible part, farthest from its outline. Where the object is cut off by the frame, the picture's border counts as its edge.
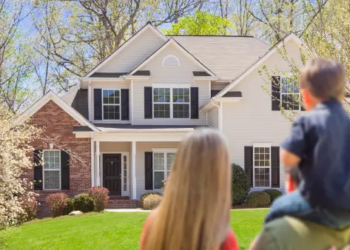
(195, 211)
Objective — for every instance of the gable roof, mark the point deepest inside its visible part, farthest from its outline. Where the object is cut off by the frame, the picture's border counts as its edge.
(171, 41)
(260, 61)
(78, 99)
(226, 56)
(120, 48)
(51, 96)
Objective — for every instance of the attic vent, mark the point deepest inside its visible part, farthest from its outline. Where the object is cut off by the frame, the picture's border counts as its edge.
(171, 61)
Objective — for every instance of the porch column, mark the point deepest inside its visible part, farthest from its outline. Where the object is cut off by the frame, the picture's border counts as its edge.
(133, 169)
(98, 175)
(92, 161)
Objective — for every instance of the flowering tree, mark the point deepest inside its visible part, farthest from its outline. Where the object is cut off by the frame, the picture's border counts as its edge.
(15, 152)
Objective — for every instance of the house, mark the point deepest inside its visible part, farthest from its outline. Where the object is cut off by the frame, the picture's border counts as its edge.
(127, 116)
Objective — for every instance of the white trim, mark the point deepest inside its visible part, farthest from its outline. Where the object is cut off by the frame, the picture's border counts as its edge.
(115, 104)
(203, 78)
(136, 77)
(211, 103)
(131, 118)
(90, 101)
(232, 84)
(133, 169)
(220, 116)
(92, 161)
(51, 96)
(164, 150)
(98, 161)
(144, 139)
(173, 57)
(126, 44)
(104, 79)
(266, 145)
(171, 41)
(59, 170)
(172, 85)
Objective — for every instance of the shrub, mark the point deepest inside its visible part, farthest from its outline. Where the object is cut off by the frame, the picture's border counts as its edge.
(100, 197)
(274, 193)
(152, 201)
(56, 202)
(258, 199)
(240, 185)
(30, 206)
(84, 203)
(69, 207)
(142, 198)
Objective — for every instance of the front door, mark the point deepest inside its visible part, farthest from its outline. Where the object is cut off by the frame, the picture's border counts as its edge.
(112, 173)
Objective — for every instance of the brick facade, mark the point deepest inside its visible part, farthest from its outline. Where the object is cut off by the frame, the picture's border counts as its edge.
(58, 128)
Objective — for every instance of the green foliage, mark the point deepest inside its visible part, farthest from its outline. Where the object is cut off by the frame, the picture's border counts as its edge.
(200, 23)
(258, 199)
(84, 203)
(143, 196)
(69, 207)
(274, 193)
(240, 185)
(57, 203)
(152, 201)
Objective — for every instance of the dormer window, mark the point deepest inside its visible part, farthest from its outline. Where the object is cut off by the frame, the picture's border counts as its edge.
(171, 61)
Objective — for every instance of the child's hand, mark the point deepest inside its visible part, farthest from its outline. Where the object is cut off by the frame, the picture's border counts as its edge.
(344, 248)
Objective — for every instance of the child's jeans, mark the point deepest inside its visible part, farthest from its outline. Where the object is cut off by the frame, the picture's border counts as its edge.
(295, 205)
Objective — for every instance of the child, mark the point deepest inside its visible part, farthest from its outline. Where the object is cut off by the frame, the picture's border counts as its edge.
(195, 210)
(320, 145)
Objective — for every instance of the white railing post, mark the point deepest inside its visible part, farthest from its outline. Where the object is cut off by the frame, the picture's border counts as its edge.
(133, 169)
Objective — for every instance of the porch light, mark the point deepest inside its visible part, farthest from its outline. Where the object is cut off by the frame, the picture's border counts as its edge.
(51, 145)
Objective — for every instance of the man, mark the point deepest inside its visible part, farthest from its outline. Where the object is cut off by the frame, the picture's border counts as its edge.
(288, 233)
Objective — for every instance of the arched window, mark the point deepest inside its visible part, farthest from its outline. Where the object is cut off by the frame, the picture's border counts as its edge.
(171, 61)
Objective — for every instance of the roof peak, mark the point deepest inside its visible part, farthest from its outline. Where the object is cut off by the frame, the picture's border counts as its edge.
(213, 36)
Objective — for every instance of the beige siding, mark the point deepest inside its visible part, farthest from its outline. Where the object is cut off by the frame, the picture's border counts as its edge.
(141, 148)
(218, 85)
(251, 120)
(134, 53)
(213, 118)
(169, 76)
(108, 85)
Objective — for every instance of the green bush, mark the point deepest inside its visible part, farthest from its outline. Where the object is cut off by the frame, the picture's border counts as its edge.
(274, 193)
(152, 201)
(142, 198)
(69, 207)
(240, 185)
(84, 203)
(258, 199)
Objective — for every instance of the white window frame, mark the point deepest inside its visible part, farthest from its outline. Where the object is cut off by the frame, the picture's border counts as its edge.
(281, 93)
(120, 100)
(171, 56)
(171, 103)
(59, 170)
(262, 145)
(165, 170)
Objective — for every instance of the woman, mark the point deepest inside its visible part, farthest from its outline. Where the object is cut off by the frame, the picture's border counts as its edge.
(195, 211)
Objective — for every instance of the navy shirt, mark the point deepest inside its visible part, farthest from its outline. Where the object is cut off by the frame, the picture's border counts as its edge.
(321, 138)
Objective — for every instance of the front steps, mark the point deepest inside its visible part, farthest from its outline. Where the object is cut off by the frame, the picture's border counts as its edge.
(116, 202)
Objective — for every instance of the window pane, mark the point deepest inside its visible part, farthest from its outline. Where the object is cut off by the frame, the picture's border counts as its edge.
(289, 85)
(111, 112)
(161, 95)
(51, 180)
(158, 180)
(161, 110)
(116, 96)
(181, 110)
(52, 159)
(169, 160)
(105, 96)
(290, 101)
(181, 95)
(158, 161)
(262, 177)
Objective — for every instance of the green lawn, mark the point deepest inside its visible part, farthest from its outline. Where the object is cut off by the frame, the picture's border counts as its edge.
(107, 231)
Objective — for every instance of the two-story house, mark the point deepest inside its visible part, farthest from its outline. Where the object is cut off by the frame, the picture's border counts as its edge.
(126, 117)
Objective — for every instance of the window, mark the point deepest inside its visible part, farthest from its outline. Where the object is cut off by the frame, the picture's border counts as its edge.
(111, 104)
(171, 61)
(52, 169)
(162, 162)
(171, 102)
(290, 96)
(161, 100)
(262, 166)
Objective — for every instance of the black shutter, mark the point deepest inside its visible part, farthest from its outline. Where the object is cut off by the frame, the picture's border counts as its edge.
(148, 102)
(194, 103)
(275, 93)
(38, 170)
(148, 171)
(275, 166)
(98, 104)
(125, 104)
(248, 163)
(64, 170)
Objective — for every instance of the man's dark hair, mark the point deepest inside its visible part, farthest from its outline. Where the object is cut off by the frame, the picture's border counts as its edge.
(325, 79)
(294, 174)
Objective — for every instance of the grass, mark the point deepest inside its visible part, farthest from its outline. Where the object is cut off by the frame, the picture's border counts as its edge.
(107, 231)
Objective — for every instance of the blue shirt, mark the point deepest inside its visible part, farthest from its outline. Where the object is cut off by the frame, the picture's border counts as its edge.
(321, 138)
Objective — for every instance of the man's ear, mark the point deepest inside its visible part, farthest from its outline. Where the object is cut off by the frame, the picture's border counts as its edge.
(307, 98)
(290, 185)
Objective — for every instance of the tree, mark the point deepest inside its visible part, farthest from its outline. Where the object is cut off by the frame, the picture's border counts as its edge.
(200, 23)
